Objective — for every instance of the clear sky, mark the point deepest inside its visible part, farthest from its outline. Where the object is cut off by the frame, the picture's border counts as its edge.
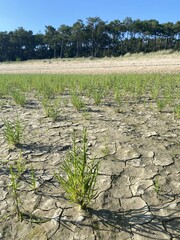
(35, 14)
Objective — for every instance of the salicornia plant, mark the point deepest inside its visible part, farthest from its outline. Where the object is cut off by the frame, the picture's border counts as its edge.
(97, 95)
(161, 104)
(177, 111)
(33, 183)
(156, 185)
(50, 109)
(12, 131)
(20, 165)
(81, 174)
(19, 98)
(16, 172)
(14, 189)
(118, 99)
(77, 102)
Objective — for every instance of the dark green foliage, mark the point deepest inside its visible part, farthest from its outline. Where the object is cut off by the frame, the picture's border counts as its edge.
(95, 38)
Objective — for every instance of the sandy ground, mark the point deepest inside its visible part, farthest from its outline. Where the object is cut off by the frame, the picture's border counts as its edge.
(136, 63)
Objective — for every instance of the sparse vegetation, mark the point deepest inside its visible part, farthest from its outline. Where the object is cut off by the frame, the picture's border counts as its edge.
(161, 104)
(136, 119)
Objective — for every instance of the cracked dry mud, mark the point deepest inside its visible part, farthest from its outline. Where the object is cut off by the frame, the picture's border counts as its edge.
(136, 147)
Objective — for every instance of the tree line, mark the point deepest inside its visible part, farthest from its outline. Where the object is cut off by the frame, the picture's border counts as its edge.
(95, 38)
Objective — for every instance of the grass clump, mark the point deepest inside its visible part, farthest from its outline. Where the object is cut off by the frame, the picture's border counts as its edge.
(12, 131)
(80, 174)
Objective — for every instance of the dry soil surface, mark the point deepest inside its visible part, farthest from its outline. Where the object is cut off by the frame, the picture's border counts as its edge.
(135, 64)
(138, 149)
(139, 176)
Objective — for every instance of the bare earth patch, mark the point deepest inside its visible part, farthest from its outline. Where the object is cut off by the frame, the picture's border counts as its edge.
(135, 63)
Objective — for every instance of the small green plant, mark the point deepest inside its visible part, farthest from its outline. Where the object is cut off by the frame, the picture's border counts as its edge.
(51, 110)
(154, 92)
(86, 115)
(65, 102)
(16, 172)
(81, 174)
(52, 113)
(2, 102)
(97, 96)
(177, 111)
(20, 165)
(77, 102)
(161, 104)
(12, 131)
(105, 150)
(118, 98)
(47, 90)
(156, 185)
(33, 184)
(14, 189)
(19, 98)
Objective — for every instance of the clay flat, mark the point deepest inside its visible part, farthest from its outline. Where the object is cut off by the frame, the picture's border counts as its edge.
(137, 146)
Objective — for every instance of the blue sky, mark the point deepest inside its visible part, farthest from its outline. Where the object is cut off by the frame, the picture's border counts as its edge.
(35, 14)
